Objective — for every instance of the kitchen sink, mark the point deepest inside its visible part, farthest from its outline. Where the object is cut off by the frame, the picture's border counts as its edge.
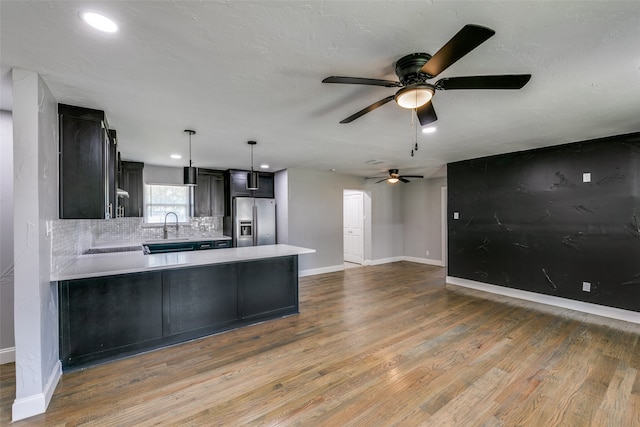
(159, 246)
(168, 246)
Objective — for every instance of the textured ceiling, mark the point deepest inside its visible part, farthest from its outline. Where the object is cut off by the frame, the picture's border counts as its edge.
(242, 70)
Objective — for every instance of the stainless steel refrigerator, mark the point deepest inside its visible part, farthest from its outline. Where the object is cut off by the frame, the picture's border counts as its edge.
(254, 221)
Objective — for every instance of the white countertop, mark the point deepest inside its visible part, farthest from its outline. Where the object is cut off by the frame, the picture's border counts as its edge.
(109, 264)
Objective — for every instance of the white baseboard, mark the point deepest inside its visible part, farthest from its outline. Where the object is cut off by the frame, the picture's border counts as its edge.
(334, 268)
(37, 404)
(7, 355)
(386, 260)
(584, 307)
(321, 270)
(428, 261)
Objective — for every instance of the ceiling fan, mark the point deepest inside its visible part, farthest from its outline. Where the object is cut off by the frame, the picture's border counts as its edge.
(415, 69)
(394, 176)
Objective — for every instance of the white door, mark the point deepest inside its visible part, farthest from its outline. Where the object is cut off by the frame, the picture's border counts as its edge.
(353, 226)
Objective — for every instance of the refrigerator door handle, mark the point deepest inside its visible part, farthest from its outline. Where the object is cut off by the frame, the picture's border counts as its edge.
(255, 224)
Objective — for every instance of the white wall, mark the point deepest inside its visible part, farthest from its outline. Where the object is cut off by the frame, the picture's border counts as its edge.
(282, 206)
(35, 160)
(386, 221)
(7, 341)
(422, 218)
(405, 218)
(315, 215)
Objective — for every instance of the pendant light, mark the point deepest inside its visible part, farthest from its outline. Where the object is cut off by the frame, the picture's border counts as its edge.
(252, 177)
(190, 173)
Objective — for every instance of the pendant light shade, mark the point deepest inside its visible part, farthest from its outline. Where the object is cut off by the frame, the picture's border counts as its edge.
(252, 177)
(190, 173)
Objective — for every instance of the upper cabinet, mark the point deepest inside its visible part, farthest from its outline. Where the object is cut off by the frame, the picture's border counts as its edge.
(237, 181)
(87, 164)
(131, 182)
(209, 193)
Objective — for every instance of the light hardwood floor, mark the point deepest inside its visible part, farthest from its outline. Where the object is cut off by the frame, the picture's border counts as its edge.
(386, 345)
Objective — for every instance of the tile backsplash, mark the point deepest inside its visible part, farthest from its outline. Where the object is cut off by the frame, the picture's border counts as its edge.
(71, 237)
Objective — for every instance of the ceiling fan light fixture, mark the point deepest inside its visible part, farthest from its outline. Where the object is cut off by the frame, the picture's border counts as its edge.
(392, 180)
(414, 96)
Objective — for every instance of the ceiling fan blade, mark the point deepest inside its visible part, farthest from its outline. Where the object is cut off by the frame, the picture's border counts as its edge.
(507, 81)
(426, 114)
(467, 39)
(378, 182)
(361, 81)
(403, 180)
(411, 176)
(368, 109)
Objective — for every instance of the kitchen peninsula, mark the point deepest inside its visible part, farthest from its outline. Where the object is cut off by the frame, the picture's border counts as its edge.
(118, 304)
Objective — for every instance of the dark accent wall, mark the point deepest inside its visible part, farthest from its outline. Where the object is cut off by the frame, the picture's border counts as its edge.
(528, 221)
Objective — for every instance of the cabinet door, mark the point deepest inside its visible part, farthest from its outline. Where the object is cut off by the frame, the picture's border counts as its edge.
(202, 195)
(217, 195)
(265, 185)
(268, 295)
(107, 316)
(209, 193)
(201, 298)
(82, 169)
(132, 173)
(238, 183)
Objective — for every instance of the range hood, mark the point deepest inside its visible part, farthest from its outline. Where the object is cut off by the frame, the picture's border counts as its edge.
(122, 193)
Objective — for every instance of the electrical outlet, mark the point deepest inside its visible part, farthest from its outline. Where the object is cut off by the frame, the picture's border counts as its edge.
(456, 215)
(427, 253)
(586, 177)
(586, 286)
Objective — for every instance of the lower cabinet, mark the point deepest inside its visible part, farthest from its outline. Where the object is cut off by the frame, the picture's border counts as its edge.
(261, 294)
(200, 298)
(107, 318)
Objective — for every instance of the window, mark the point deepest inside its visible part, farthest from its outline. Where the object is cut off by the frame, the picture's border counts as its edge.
(162, 199)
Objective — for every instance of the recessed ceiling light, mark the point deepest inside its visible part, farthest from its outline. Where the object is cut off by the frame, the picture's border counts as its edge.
(176, 156)
(430, 129)
(100, 22)
(264, 166)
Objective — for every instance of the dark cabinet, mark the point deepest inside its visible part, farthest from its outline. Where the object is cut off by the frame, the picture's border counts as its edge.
(107, 316)
(266, 295)
(131, 182)
(87, 162)
(209, 197)
(237, 180)
(200, 299)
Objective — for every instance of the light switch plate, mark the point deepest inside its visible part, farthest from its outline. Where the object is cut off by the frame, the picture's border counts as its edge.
(586, 286)
(586, 177)
(456, 215)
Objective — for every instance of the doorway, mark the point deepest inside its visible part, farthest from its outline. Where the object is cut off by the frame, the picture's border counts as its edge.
(353, 226)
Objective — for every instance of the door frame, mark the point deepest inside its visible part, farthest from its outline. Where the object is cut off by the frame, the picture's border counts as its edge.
(365, 222)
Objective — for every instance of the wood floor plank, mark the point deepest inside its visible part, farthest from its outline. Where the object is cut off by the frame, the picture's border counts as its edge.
(387, 345)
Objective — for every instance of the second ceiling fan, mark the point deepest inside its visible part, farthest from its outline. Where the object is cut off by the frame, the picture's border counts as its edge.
(415, 69)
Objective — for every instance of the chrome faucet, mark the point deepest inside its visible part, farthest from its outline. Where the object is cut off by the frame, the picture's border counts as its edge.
(165, 231)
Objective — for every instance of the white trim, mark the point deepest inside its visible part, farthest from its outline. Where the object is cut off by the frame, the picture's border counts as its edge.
(334, 268)
(436, 262)
(321, 270)
(444, 232)
(585, 307)
(37, 404)
(386, 260)
(7, 355)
